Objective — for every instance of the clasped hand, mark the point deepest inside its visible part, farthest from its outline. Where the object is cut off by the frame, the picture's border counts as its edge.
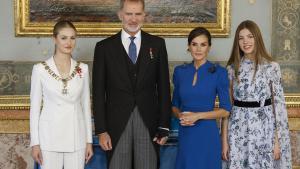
(188, 118)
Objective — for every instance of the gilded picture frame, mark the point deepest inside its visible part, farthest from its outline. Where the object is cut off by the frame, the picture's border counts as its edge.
(21, 103)
(164, 18)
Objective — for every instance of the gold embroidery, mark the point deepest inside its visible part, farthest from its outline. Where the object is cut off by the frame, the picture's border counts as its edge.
(64, 80)
(195, 78)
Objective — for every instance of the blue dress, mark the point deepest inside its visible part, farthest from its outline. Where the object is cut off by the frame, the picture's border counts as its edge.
(199, 146)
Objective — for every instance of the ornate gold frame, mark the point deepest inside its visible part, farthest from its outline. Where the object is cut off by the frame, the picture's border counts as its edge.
(22, 102)
(11, 122)
(14, 102)
(18, 122)
(23, 27)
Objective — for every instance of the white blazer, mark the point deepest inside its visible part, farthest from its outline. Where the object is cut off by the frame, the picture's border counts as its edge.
(60, 122)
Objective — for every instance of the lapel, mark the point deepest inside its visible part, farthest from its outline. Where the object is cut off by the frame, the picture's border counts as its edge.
(72, 67)
(54, 84)
(144, 57)
(119, 60)
(50, 62)
(58, 84)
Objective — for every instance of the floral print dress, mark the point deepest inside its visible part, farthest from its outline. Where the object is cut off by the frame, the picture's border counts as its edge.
(251, 131)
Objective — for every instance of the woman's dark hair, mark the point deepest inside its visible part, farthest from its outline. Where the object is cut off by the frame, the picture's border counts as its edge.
(197, 32)
(62, 24)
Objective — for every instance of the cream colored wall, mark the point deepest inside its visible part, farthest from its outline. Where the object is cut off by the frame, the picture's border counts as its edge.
(34, 49)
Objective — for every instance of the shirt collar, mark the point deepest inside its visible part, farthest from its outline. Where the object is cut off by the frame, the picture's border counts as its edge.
(126, 36)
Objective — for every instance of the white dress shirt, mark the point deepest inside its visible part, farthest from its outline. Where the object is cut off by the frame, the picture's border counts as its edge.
(126, 41)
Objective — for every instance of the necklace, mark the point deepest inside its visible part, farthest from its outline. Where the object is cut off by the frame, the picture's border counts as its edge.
(64, 80)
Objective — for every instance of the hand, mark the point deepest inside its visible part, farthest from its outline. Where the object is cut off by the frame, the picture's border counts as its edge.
(225, 150)
(161, 141)
(36, 154)
(161, 136)
(105, 141)
(188, 118)
(178, 115)
(276, 150)
(88, 152)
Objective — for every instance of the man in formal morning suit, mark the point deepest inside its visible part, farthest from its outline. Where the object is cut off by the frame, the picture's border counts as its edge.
(131, 92)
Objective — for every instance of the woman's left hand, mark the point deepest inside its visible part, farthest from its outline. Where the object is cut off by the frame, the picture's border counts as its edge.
(188, 118)
(88, 152)
(276, 150)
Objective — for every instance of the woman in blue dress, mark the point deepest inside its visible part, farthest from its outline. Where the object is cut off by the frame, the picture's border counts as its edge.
(196, 86)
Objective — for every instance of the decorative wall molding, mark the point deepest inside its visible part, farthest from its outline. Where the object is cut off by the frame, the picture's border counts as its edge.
(285, 42)
(14, 113)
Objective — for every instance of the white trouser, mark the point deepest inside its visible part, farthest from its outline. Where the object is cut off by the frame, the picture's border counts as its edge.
(59, 160)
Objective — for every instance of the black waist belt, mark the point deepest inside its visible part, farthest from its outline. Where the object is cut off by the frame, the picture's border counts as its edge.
(251, 104)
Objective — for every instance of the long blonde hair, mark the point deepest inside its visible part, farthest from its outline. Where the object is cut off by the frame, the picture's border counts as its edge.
(260, 51)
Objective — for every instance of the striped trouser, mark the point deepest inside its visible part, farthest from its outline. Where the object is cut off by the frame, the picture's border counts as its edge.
(134, 143)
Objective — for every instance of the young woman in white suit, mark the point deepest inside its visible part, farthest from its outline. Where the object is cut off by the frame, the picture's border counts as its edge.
(60, 114)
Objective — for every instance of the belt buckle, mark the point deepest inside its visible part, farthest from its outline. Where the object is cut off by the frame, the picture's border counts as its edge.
(262, 103)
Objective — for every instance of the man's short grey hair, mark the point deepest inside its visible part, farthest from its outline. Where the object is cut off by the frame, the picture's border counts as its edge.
(123, 1)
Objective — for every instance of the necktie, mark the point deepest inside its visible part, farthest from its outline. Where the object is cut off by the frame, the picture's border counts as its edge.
(132, 50)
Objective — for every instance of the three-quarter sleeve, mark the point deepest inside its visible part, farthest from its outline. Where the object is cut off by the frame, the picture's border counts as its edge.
(176, 98)
(281, 116)
(223, 89)
(35, 105)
